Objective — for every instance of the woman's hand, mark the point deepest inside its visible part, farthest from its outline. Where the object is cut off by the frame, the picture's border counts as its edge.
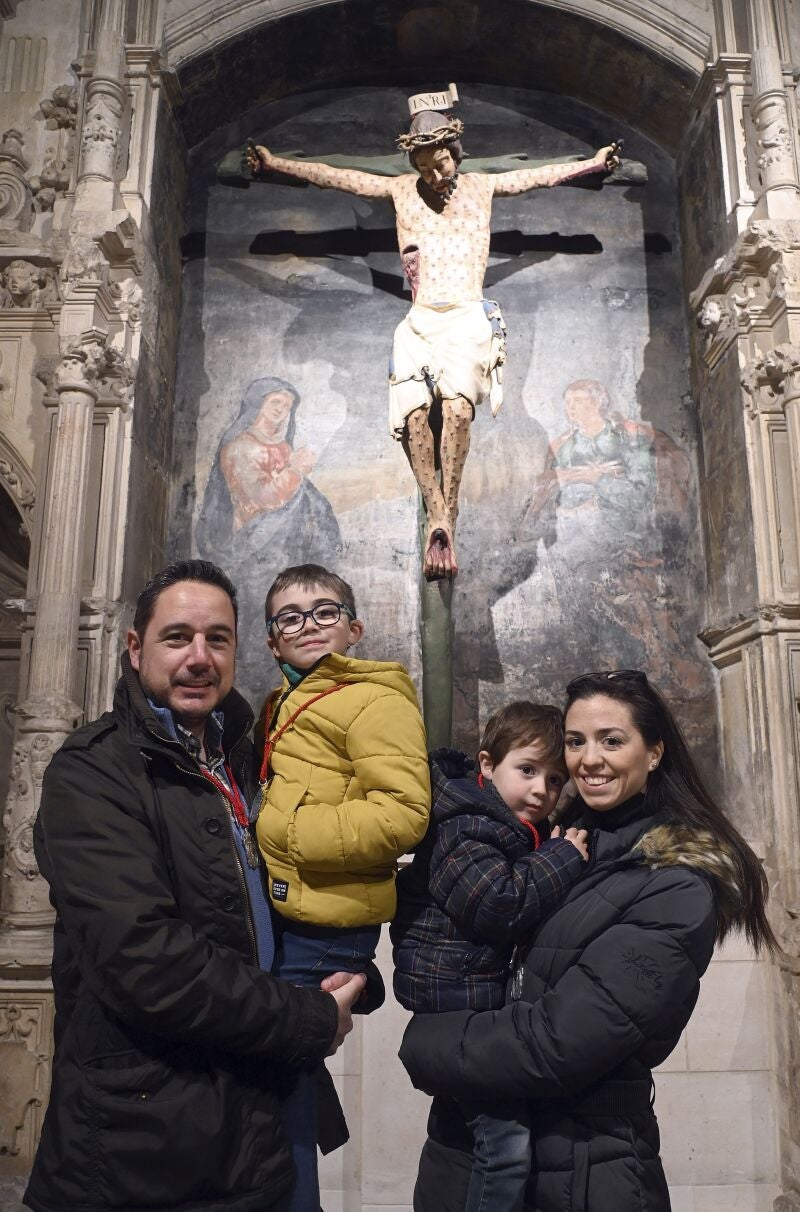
(579, 839)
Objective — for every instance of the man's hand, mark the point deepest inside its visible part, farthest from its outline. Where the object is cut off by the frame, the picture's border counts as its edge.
(579, 839)
(345, 988)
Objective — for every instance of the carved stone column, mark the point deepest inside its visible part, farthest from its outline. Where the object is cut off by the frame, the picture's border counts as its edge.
(748, 313)
(769, 110)
(105, 116)
(49, 712)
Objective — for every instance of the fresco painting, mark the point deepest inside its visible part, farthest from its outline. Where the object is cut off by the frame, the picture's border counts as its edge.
(579, 547)
(260, 511)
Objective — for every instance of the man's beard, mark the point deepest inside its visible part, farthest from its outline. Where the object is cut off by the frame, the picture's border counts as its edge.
(441, 196)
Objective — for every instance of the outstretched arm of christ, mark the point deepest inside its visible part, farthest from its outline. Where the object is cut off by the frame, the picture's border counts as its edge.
(522, 179)
(348, 179)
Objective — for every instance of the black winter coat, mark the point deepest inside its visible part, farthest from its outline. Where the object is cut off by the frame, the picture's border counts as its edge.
(473, 889)
(602, 995)
(167, 1031)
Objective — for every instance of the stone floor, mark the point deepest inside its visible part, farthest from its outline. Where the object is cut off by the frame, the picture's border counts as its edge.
(11, 1190)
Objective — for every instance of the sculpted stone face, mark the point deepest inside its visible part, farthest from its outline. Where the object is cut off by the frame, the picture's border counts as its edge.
(21, 282)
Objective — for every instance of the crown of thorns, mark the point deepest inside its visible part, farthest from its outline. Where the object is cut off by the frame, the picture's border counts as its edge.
(448, 132)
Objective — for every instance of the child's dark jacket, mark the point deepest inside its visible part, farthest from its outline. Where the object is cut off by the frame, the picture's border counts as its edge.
(473, 889)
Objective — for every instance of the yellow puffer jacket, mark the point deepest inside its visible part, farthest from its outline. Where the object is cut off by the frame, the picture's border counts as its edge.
(349, 792)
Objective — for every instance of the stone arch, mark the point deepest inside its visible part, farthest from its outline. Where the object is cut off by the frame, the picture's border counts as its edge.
(193, 30)
(642, 71)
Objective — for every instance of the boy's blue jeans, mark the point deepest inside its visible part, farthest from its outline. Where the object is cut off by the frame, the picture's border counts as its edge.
(501, 1157)
(305, 955)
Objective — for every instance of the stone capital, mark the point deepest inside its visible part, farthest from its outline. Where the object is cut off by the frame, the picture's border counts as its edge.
(90, 364)
(772, 380)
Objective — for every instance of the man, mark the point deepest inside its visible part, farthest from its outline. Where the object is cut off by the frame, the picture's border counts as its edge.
(450, 347)
(171, 1034)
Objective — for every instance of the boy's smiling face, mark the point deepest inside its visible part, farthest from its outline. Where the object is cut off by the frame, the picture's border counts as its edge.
(312, 642)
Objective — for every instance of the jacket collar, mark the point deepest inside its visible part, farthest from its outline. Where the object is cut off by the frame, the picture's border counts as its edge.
(614, 834)
(146, 730)
(470, 796)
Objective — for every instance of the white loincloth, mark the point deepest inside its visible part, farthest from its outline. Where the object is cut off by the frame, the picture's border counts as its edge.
(457, 349)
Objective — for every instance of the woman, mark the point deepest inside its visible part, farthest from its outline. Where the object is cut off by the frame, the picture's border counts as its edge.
(259, 479)
(609, 981)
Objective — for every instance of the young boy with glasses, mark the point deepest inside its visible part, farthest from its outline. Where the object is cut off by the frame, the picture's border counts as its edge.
(346, 792)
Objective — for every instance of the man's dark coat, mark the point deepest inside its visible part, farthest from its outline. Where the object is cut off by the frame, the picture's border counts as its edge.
(169, 1037)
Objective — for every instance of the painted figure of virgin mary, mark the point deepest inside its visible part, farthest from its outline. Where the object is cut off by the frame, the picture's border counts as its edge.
(261, 512)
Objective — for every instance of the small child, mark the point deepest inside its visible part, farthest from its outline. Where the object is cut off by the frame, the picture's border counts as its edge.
(346, 791)
(487, 871)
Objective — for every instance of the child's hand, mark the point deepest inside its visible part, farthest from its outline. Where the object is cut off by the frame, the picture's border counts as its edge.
(579, 839)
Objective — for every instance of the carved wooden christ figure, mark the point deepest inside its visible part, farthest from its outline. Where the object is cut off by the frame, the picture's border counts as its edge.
(450, 348)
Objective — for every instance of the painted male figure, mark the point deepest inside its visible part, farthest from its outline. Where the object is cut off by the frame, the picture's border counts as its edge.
(449, 349)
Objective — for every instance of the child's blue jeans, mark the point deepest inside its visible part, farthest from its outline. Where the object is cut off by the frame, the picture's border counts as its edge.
(305, 955)
(501, 1156)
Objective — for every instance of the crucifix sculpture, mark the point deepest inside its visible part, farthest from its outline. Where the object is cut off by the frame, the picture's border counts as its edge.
(449, 351)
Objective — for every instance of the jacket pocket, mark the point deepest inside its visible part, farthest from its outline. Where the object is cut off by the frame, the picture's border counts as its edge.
(284, 797)
(180, 1134)
(121, 1077)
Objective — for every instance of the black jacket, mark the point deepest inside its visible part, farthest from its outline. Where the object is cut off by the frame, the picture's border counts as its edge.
(603, 993)
(167, 1031)
(474, 888)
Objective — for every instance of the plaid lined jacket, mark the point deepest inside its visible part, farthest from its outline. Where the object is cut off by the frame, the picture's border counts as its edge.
(474, 889)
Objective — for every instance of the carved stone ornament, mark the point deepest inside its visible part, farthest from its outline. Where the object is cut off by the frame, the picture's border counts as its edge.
(716, 317)
(18, 1023)
(27, 287)
(52, 181)
(101, 132)
(90, 363)
(771, 119)
(129, 296)
(16, 197)
(83, 261)
(60, 112)
(32, 753)
(773, 378)
(20, 486)
(61, 109)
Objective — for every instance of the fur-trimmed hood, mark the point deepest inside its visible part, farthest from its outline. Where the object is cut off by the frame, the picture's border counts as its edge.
(672, 844)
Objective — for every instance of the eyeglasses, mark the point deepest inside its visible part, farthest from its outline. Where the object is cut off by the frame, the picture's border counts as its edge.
(609, 675)
(324, 614)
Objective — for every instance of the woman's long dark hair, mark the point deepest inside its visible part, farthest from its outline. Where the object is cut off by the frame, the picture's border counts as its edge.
(676, 789)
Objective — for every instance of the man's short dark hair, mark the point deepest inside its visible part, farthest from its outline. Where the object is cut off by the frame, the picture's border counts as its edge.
(182, 570)
(307, 576)
(522, 723)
